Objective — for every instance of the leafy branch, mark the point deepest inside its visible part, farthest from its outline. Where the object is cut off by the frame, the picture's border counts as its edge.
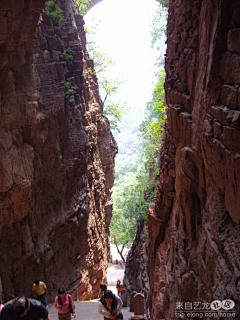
(108, 87)
(83, 5)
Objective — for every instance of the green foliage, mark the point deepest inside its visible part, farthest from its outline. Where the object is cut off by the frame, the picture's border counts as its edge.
(83, 5)
(70, 51)
(68, 94)
(152, 128)
(164, 3)
(55, 13)
(69, 54)
(134, 187)
(68, 84)
(68, 91)
(132, 194)
(131, 204)
(112, 109)
(109, 86)
(91, 71)
(101, 60)
(78, 118)
(114, 113)
(125, 166)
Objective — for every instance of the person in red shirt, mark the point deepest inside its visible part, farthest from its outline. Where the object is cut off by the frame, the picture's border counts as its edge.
(119, 287)
(62, 303)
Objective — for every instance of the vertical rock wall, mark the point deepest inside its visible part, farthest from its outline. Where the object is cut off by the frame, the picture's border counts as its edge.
(136, 275)
(194, 243)
(56, 155)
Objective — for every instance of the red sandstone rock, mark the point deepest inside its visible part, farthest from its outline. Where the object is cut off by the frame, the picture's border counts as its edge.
(193, 255)
(136, 275)
(56, 156)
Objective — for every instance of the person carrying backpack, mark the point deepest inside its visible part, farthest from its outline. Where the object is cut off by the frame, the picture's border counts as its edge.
(64, 305)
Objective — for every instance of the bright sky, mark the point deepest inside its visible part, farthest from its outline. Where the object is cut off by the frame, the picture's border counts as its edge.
(123, 33)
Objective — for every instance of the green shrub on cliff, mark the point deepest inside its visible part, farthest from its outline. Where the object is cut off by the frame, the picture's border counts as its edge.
(83, 5)
(68, 91)
(69, 54)
(78, 117)
(55, 13)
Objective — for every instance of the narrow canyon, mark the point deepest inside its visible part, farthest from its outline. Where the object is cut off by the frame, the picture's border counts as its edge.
(57, 160)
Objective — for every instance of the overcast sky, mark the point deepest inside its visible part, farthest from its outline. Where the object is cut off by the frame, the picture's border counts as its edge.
(123, 33)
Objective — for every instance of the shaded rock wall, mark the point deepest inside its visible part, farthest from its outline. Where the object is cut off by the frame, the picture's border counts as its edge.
(194, 243)
(56, 155)
(136, 273)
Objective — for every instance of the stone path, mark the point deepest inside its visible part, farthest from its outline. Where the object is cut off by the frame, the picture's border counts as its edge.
(88, 310)
(114, 273)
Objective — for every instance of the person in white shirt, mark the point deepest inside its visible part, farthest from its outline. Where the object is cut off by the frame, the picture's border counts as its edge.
(110, 306)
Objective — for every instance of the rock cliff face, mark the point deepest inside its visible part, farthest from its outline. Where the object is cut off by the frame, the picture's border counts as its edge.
(56, 155)
(194, 243)
(136, 275)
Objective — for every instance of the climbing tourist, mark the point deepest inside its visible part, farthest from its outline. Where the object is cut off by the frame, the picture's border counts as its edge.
(22, 307)
(103, 288)
(40, 289)
(110, 306)
(64, 305)
(119, 287)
